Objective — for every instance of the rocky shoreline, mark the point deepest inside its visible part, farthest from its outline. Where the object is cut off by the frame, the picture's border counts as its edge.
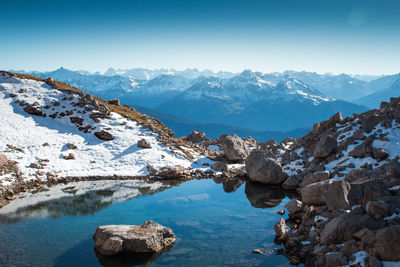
(347, 175)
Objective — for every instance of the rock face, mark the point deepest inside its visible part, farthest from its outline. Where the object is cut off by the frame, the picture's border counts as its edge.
(262, 168)
(235, 149)
(150, 237)
(3, 160)
(104, 135)
(143, 143)
(196, 136)
(325, 146)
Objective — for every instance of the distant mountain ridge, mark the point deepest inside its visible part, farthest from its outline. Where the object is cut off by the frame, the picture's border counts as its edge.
(272, 101)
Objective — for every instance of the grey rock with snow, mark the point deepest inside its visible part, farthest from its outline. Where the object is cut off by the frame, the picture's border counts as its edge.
(150, 237)
(196, 136)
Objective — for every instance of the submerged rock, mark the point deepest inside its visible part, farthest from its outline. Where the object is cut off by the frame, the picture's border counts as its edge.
(150, 237)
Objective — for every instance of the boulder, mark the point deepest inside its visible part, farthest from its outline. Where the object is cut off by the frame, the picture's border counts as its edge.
(342, 228)
(220, 166)
(3, 160)
(360, 151)
(71, 146)
(325, 146)
(150, 237)
(380, 154)
(104, 135)
(387, 244)
(235, 149)
(143, 143)
(294, 206)
(280, 228)
(174, 172)
(263, 168)
(378, 209)
(314, 177)
(313, 194)
(291, 183)
(336, 195)
(368, 123)
(196, 136)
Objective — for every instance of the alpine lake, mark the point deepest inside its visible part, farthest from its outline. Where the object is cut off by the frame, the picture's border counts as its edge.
(216, 222)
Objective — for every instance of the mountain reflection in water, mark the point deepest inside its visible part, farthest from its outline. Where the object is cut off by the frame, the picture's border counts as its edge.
(76, 199)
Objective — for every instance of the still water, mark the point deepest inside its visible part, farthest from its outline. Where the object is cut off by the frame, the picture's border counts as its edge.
(216, 224)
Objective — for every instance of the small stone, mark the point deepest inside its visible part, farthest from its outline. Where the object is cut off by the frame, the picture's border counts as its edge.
(71, 146)
(104, 135)
(69, 157)
(257, 251)
(281, 212)
(280, 228)
(143, 143)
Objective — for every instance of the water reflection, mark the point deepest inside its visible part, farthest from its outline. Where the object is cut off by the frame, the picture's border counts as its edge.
(76, 199)
(264, 196)
(229, 185)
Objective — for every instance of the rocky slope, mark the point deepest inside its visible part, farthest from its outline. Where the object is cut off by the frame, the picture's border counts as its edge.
(52, 132)
(347, 175)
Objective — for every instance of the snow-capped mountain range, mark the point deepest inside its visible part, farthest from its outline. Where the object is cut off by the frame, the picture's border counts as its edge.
(225, 97)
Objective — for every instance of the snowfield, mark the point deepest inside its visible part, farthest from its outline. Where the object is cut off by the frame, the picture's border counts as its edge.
(36, 139)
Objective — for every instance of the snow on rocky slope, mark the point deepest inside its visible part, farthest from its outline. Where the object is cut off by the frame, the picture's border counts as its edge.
(347, 175)
(56, 133)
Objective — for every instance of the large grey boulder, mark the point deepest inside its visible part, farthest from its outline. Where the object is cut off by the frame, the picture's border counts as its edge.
(325, 146)
(342, 228)
(336, 195)
(263, 168)
(313, 194)
(150, 237)
(235, 149)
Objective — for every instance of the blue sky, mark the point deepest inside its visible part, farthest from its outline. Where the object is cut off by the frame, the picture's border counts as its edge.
(335, 36)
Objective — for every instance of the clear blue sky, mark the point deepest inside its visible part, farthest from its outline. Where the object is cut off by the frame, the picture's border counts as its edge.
(350, 36)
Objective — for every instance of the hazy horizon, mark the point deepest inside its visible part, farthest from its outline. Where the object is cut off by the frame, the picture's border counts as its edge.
(355, 37)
